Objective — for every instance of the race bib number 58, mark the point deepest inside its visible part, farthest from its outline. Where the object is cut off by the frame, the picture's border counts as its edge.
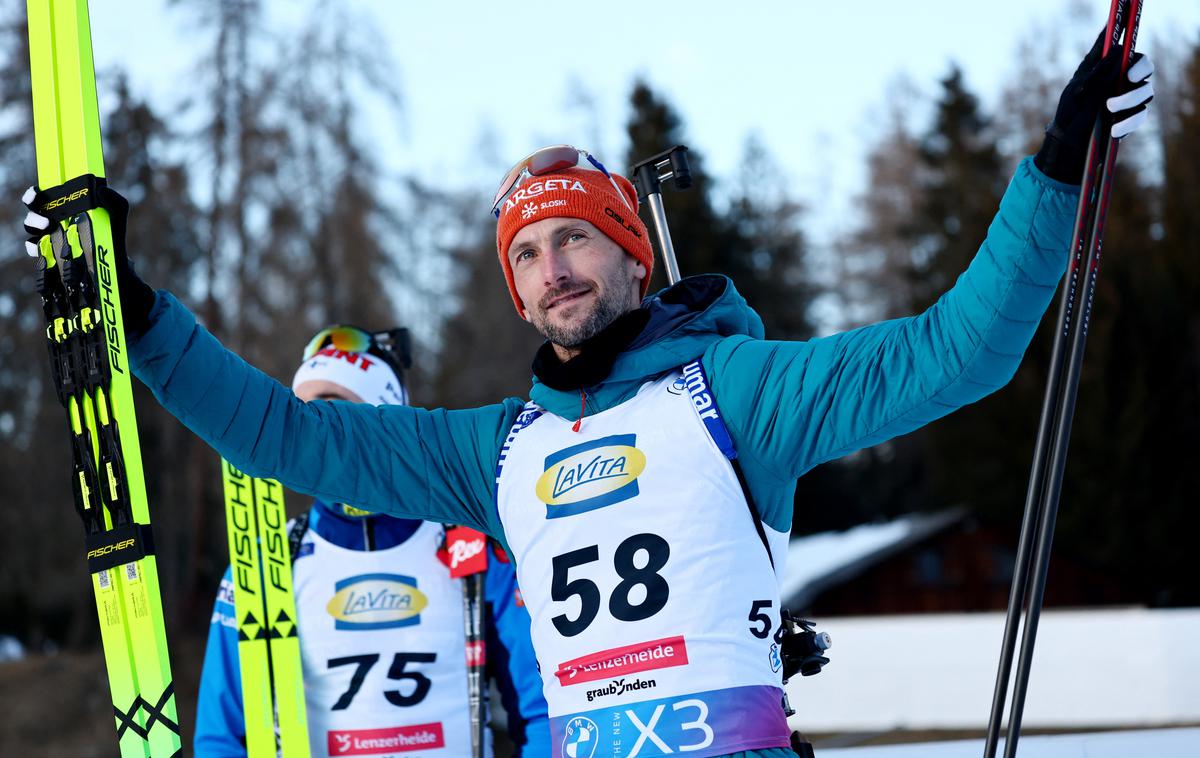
(637, 560)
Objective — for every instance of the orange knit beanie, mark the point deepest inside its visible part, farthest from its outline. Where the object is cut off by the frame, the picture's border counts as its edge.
(575, 193)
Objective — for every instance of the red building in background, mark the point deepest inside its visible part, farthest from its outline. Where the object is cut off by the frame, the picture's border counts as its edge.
(926, 563)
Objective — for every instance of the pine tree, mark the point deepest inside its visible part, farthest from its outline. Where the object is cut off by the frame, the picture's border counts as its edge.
(876, 256)
(1140, 416)
(165, 242)
(770, 266)
(298, 234)
(758, 241)
(487, 350)
(960, 181)
(703, 241)
(46, 576)
(32, 428)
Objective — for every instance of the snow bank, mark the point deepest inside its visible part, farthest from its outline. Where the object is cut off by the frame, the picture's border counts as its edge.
(1101, 668)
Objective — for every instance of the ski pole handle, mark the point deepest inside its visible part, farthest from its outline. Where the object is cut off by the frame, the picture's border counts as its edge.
(648, 176)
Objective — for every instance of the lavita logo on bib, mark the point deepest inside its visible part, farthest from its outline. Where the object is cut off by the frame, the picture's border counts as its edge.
(376, 601)
(591, 475)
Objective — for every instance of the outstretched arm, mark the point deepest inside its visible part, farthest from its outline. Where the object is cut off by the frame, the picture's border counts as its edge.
(793, 405)
(428, 464)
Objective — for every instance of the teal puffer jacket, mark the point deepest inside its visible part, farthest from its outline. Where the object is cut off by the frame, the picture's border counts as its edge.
(788, 405)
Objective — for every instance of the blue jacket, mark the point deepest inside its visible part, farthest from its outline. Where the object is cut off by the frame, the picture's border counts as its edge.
(788, 405)
(220, 726)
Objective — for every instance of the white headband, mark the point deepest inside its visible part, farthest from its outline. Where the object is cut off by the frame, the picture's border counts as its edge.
(363, 374)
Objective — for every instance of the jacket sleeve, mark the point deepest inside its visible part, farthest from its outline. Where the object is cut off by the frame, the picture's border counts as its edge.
(792, 405)
(512, 662)
(220, 723)
(436, 465)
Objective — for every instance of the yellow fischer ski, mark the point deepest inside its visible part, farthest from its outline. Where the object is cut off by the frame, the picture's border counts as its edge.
(86, 340)
(253, 656)
(268, 640)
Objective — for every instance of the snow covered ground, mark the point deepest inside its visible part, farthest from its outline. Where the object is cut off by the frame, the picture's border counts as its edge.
(1091, 670)
(1159, 743)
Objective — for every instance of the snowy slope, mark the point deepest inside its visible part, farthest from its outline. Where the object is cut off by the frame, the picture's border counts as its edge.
(1160, 743)
(1103, 668)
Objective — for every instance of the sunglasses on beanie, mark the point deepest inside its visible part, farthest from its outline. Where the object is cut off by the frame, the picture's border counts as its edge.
(549, 160)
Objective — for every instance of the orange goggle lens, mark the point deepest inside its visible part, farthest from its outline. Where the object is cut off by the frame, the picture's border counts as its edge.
(348, 338)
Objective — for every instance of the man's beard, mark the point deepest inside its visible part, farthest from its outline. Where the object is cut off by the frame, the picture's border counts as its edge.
(605, 310)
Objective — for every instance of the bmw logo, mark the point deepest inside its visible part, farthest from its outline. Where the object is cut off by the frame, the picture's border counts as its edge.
(580, 738)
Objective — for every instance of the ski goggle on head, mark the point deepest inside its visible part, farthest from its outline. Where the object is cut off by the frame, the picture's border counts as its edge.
(549, 160)
(393, 345)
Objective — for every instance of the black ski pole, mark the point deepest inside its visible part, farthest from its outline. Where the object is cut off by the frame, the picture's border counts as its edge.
(1045, 485)
(473, 603)
(1031, 520)
(1067, 406)
(648, 176)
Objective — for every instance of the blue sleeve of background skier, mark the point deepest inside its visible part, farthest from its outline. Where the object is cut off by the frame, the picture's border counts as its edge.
(792, 405)
(513, 663)
(436, 465)
(220, 723)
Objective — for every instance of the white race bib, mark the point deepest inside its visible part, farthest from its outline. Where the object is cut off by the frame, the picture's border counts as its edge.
(384, 651)
(654, 603)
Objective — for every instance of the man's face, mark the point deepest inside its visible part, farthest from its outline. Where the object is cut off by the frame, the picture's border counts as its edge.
(572, 280)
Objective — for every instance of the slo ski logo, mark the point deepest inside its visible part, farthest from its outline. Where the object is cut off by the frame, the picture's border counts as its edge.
(580, 738)
(376, 601)
(529, 209)
(591, 475)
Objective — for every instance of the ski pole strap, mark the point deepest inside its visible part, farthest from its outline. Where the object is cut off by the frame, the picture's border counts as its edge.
(118, 546)
(70, 198)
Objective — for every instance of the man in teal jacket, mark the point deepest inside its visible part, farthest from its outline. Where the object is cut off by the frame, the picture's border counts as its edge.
(646, 491)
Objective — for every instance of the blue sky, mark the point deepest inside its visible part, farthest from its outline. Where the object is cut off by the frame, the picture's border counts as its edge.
(809, 79)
